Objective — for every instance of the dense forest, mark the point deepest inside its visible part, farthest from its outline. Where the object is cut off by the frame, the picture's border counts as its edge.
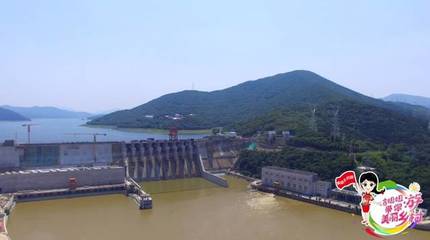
(397, 152)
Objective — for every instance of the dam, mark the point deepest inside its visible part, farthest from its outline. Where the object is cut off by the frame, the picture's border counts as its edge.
(162, 160)
(55, 170)
(147, 159)
(27, 166)
(50, 171)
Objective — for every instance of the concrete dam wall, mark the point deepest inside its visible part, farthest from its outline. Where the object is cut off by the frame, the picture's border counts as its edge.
(146, 159)
(29, 156)
(45, 179)
(158, 160)
(219, 153)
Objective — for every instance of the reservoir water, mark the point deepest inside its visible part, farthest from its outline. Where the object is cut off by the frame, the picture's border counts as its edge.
(187, 209)
(61, 130)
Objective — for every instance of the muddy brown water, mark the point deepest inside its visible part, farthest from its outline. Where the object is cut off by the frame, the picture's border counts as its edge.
(187, 209)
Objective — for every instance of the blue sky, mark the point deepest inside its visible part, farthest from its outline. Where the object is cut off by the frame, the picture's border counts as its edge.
(101, 55)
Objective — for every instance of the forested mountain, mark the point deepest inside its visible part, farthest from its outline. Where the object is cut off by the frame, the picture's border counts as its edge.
(8, 115)
(275, 103)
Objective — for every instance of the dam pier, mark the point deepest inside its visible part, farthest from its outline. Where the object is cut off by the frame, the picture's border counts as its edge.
(162, 160)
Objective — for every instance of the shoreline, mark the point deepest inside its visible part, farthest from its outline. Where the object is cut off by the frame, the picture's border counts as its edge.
(151, 130)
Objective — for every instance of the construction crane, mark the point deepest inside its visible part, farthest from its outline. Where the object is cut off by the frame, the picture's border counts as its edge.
(28, 125)
(94, 141)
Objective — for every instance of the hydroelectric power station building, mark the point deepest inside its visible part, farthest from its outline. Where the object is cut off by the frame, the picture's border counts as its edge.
(303, 182)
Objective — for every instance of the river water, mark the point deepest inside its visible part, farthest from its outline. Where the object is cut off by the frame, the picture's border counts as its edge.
(62, 130)
(187, 209)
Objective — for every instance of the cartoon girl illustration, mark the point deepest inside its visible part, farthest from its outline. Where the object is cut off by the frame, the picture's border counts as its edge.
(367, 188)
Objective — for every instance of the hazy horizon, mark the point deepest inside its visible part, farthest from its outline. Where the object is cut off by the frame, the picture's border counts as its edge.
(100, 55)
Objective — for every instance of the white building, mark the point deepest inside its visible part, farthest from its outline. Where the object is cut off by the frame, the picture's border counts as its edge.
(299, 181)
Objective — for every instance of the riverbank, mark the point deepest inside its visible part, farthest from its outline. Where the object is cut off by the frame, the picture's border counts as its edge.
(58, 131)
(151, 130)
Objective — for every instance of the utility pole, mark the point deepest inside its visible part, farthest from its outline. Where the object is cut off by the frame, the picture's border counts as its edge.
(28, 125)
(313, 122)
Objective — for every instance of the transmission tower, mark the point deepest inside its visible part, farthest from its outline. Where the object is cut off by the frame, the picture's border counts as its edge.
(313, 122)
(335, 125)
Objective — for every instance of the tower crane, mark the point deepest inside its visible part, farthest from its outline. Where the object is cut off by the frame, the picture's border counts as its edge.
(28, 125)
(94, 141)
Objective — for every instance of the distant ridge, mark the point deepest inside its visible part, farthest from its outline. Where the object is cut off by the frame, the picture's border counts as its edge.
(8, 115)
(46, 112)
(410, 99)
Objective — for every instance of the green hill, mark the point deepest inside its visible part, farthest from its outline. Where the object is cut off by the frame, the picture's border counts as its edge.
(8, 115)
(246, 106)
